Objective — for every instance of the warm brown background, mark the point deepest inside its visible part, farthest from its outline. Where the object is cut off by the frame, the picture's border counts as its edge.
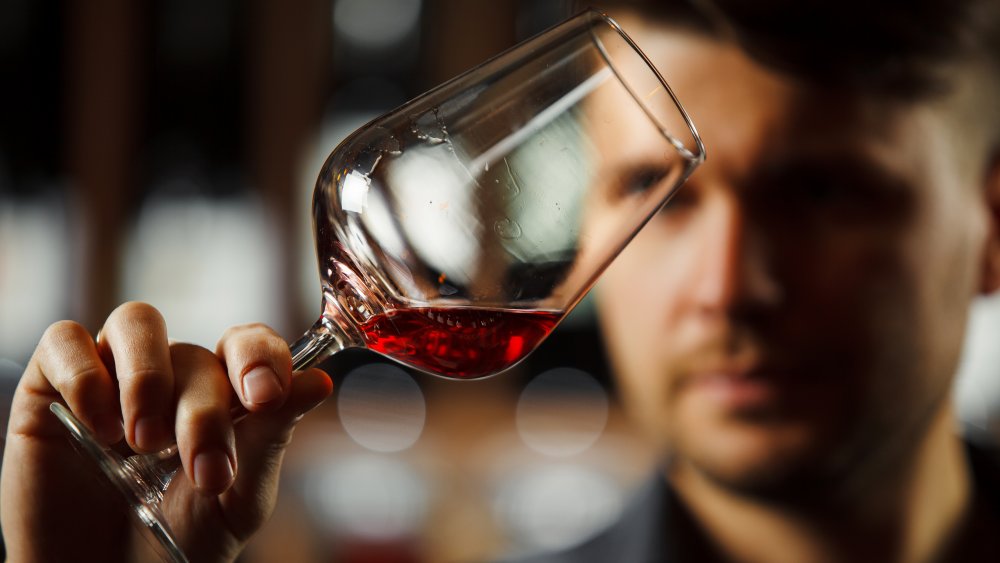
(165, 151)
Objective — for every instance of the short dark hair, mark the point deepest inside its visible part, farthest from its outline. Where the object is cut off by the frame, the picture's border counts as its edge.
(903, 49)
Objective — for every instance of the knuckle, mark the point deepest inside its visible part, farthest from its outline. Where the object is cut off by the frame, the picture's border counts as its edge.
(257, 327)
(187, 354)
(255, 347)
(79, 381)
(239, 332)
(189, 358)
(203, 416)
(187, 348)
(266, 347)
(60, 332)
(142, 376)
(281, 442)
(135, 312)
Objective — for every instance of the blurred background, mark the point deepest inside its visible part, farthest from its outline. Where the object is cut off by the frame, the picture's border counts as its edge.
(165, 151)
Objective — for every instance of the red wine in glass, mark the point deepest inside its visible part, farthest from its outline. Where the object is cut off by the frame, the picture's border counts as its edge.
(458, 342)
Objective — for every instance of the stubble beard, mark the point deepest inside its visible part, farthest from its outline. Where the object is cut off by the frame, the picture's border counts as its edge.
(845, 467)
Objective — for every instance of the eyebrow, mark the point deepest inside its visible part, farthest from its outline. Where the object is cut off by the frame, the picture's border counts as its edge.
(851, 167)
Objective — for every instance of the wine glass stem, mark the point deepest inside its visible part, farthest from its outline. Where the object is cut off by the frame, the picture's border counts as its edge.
(154, 471)
(321, 341)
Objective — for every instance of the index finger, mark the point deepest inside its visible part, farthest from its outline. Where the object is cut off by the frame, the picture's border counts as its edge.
(259, 363)
(66, 367)
(134, 343)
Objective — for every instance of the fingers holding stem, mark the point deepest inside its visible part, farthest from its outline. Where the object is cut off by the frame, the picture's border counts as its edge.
(259, 364)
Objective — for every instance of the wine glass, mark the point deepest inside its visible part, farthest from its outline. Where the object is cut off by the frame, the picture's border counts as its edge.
(456, 231)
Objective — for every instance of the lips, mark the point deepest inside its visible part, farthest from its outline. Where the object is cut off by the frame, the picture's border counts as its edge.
(738, 382)
(734, 389)
(744, 370)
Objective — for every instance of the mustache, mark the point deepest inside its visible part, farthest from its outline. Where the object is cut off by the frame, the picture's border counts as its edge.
(747, 352)
(734, 347)
(739, 352)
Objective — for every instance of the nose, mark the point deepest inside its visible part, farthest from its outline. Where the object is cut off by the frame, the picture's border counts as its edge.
(731, 270)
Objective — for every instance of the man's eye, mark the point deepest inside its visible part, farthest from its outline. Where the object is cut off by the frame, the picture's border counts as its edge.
(825, 191)
(831, 200)
(641, 180)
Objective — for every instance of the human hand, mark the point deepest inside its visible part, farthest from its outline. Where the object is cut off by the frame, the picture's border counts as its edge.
(134, 383)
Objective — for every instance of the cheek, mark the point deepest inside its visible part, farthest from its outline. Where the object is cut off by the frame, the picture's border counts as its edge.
(639, 313)
(626, 303)
(851, 306)
(639, 293)
(892, 302)
(947, 262)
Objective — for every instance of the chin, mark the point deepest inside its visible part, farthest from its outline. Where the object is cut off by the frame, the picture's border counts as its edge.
(773, 460)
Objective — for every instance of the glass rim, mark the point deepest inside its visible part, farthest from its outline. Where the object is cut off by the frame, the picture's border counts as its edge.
(698, 156)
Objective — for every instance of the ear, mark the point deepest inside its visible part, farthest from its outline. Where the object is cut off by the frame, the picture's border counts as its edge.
(991, 253)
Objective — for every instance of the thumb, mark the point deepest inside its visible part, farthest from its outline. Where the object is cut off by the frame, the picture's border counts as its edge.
(261, 440)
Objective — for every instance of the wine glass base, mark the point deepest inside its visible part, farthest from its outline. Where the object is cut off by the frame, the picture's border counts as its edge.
(147, 516)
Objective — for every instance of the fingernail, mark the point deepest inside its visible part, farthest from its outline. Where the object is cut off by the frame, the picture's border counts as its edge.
(212, 471)
(150, 432)
(261, 386)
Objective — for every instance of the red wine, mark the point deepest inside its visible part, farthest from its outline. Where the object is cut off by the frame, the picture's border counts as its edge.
(458, 342)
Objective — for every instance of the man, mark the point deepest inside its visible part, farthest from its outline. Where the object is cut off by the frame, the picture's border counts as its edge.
(786, 332)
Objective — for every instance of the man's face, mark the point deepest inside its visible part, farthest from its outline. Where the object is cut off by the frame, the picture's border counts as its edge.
(799, 307)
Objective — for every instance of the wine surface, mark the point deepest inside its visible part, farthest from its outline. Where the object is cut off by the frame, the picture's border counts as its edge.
(458, 342)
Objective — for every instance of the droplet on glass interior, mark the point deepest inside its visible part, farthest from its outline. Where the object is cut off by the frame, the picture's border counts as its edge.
(513, 189)
(393, 146)
(433, 133)
(507, 228)
(385, 142)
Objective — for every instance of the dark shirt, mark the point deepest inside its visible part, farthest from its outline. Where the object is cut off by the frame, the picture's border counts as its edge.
(657, 528)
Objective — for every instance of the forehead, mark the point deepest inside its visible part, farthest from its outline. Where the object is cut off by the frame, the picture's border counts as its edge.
(750, 115)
